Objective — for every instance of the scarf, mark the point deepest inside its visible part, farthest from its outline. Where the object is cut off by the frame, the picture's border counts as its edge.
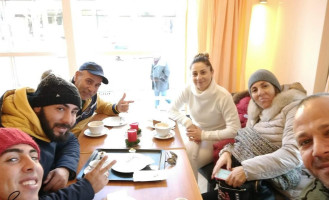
(249, 144)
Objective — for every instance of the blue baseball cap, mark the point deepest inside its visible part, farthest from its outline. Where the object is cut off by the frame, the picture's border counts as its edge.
(94, 69)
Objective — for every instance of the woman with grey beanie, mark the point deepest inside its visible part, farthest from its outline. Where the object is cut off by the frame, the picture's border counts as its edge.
(265, 155)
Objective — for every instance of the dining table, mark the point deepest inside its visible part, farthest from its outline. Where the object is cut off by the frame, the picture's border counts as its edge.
(116, 138)
(179, 183)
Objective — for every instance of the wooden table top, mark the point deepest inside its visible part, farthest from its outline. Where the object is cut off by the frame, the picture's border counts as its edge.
(180, 183)
(115, 139)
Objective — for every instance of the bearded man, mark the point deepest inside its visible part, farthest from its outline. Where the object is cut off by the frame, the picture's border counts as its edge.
(47, 114)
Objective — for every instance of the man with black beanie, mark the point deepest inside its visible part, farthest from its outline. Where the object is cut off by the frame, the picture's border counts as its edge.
(47, 114)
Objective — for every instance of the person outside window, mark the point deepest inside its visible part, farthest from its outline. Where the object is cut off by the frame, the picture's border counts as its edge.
(160, 79)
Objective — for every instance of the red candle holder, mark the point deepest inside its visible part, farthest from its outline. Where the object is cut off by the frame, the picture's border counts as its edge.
(135, 126)
(132, 138)
(132, 135)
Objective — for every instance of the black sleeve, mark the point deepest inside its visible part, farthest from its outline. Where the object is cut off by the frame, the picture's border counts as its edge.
(81, 190)
(68, 154)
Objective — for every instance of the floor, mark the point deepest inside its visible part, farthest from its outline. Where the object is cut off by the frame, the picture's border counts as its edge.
(202, 182)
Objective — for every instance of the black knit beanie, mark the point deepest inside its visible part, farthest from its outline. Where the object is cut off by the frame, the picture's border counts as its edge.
(263, 75)
(55, 90)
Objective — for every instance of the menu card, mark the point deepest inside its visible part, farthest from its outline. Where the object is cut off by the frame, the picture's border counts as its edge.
(150, 175)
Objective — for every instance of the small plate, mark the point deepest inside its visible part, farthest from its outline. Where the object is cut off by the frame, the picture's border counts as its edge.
(131, 162)
(88, 133)
(170, 122)
(114, 121)
(170, 135)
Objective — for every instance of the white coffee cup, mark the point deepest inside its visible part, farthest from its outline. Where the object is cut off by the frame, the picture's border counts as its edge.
(162, 129)
(96, 127)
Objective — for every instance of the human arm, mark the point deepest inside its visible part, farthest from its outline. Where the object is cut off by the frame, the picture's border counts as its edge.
(56, 179)
(96, 175)
(151, 75)
(112, 109)
(227, 109)
(174, 112)
(237, 176)
(86, 188)
(284, 159)
(165, 73)
(194, 132)
(122, 105)
(66, 160)
(81, 190)
(224, 159)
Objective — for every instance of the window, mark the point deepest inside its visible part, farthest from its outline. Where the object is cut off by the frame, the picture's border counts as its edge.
(120, 35)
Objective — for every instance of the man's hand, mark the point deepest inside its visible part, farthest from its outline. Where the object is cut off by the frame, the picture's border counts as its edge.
(98, 177)
(123, 105)
(56, 179)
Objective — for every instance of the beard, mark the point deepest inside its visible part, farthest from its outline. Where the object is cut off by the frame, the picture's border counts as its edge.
(45, 124)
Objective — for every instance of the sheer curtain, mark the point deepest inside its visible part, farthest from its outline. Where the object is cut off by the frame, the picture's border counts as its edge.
(223, 28)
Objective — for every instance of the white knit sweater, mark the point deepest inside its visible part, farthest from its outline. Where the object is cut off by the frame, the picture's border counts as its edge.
(213, 110)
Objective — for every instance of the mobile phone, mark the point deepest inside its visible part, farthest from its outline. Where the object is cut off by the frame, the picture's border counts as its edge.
(222, 174)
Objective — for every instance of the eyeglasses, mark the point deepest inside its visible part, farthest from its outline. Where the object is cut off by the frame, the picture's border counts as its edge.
(171, 158)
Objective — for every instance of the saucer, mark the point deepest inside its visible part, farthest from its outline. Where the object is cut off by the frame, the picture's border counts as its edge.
(114, 121)
(131, 162)
(170, 135)
(170, 122)
(88, 133)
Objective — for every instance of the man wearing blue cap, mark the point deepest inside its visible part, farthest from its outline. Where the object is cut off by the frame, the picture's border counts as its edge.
(88, 79)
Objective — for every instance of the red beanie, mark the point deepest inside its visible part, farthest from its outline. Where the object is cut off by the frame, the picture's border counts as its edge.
(13, 136)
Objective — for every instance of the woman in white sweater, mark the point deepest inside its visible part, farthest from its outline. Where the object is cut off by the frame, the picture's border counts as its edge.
(213, 113)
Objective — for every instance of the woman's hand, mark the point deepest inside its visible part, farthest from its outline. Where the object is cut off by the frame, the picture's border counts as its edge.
(237, 177)
(225, 159)
(194, 133)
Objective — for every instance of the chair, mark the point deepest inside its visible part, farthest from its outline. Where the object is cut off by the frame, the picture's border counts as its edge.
(206, 172)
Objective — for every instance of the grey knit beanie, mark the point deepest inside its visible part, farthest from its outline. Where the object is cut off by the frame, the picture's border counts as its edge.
(263, 75)
(55, 90)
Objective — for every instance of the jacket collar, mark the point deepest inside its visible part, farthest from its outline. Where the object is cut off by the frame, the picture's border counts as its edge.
(289, 94)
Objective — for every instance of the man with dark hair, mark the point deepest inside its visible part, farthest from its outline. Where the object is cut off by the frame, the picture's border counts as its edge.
(88, 79)
(21, 172)
(311, 128)
(47, 115)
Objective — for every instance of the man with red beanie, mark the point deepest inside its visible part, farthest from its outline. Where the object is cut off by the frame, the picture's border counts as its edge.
(47, 115)
(21, 172)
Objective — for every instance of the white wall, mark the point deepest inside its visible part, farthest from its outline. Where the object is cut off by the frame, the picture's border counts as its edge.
(293, 39)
